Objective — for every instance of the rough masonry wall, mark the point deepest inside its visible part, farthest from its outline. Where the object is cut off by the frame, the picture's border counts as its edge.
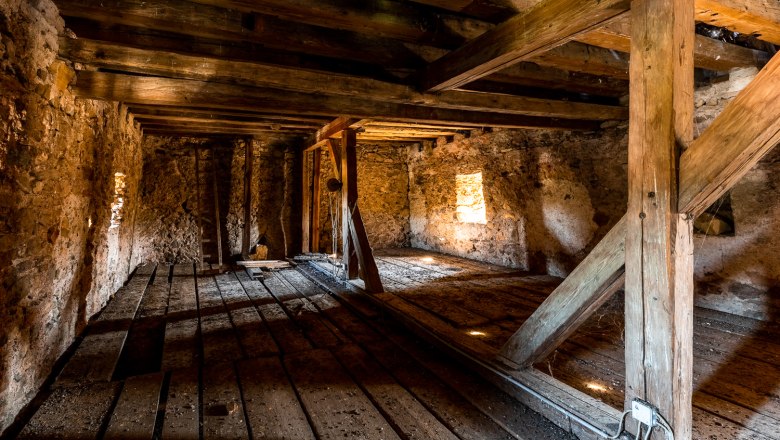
(534, 200)
(167, 227)
(58, 159)
(166, 230)
(383, 195)
(741, 273)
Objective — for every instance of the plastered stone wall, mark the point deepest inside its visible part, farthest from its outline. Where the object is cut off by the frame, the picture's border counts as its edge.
(741, 273)
(383, 195)
(548, 196)
(167, 227)
(61, 260)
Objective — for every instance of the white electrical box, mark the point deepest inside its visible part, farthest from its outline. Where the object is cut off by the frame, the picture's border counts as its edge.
(643, 412)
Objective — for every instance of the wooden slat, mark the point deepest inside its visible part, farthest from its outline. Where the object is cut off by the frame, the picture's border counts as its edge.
(333, 401)
(155, 62)
(182, 409)
(153, 112)
(223, 413)
(72, 413)
(289, 336)
(740, 136)
(163, 91)
(136, 411)
(659, 241)
(406, 412)
(349, 198)
(548, 24)
(273, 410)
(254, 336)
(752, 17)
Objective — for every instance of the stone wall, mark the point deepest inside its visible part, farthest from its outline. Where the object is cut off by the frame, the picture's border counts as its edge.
(61, 257)
(534, 200)
(383, 195)
(167, 227)
(741, 273)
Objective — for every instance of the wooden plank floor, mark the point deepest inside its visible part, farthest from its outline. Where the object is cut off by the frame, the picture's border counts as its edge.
(227, 357)
(476, 307)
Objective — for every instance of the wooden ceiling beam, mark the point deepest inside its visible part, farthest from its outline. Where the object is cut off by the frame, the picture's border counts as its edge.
(165, 91)
(168, 64)
(197, 20)
(545, 26)
(526, 74)
(271, 125)
(161, 112)
(579, 57)
(708, 53)
(760, 18)
(391, 19)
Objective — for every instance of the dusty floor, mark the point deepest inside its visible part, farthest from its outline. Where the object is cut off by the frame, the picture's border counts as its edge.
(175, 357)
(477, 307)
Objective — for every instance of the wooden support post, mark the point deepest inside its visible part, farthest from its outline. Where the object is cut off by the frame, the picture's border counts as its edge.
(348, 200)
(217, 223)
(199, 210)
(659, 248)
(305, 205)
(315, 204)
(245, 237)
(335, 160)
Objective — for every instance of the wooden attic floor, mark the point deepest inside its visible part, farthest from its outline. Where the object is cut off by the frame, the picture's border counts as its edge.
(232, 358)
(476, 307)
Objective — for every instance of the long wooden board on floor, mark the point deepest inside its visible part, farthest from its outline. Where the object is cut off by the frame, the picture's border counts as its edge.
(136, 411)
(337, 407)
(182, 409)
(272, 407)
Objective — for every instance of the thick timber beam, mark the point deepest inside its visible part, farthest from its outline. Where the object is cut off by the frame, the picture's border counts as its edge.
(542, 27)
(348, 201)
(741, 135)
(169, 64)
(745, 131)
(190, 93)
(659, 239)
(587, 287)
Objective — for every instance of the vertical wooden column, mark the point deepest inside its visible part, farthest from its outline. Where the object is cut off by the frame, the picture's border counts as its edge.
(315, 204)
(217, 217)
(348, 199)
(200, 208)
(659, 260)
(305, 205)
(248, 162)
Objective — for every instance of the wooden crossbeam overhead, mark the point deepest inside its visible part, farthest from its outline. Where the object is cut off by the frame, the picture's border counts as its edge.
(532, 75)
(159, 112)
(708, 53)
(490, 10)
(188, 67)
(178, 130)
(165, 91)
(542, 27)
(226, 122)
(578, 57)
(743, 133)
(199, 20)
(752, 17)
(392, 19)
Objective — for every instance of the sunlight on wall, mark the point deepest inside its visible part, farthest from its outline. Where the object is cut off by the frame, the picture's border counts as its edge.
(119, 200)
(471, 199)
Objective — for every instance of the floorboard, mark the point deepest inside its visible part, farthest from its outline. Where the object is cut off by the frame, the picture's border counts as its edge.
(199, 356)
